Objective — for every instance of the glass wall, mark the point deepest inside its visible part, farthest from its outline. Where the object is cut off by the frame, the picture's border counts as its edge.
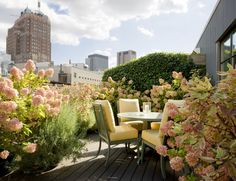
(228, 51)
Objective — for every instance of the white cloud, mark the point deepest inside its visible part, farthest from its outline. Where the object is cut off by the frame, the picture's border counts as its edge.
(145, 31)
(201, 4)
(113, 38)
(94, 19)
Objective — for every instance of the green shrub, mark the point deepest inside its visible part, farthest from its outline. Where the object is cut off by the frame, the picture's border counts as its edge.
(81, 95)
(57, 138)
(147, 70)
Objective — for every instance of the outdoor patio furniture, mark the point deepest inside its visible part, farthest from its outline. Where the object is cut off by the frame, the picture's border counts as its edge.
(153, 138)
(155, 125)
(107, 130)
(130, 105)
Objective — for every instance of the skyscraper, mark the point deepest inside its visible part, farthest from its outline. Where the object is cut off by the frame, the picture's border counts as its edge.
(125, 56)
(30, 38)
(97, 62)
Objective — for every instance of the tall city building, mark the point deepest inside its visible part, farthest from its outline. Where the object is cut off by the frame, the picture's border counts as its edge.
(125, 56)
(97, 62)
(30, 37)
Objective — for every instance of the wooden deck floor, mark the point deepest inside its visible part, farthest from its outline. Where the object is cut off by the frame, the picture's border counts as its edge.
(122, 166)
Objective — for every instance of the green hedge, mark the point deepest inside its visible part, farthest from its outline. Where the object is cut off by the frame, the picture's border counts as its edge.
(147, 70)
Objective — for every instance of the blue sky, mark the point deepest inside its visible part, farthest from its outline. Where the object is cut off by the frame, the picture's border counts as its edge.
(82, 27)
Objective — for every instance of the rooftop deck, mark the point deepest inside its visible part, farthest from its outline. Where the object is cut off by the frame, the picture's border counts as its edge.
(122, 166)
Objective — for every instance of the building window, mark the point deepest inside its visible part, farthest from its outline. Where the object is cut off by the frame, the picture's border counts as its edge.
(228, 51)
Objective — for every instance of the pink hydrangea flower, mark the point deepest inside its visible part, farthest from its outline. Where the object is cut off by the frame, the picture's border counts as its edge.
(170, 143)
(177, 163)
(25, 91)
(187, 127)
(66, 98)
(167, 126)
(49, 72)
(30, 148)
(171, 132)
(49, 94)
(162, 150)
(9, 82)
(4, 154)
(207, 170)
(16, 73)
(14, 125)
(40, 92)
(41, 73)
(10, 92)
(192, 159)
(8, 106)
(178, 141)
(182, 178)
(37, 100)
(30, 66)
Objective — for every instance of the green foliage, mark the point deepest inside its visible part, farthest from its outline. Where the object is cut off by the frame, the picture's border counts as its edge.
(207, 134)
(57, 138)
(147, 70)
(82, 97)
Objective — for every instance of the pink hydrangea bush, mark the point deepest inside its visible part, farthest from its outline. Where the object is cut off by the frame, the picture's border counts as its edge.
(25, 102)
(203, 133)
(158, 95)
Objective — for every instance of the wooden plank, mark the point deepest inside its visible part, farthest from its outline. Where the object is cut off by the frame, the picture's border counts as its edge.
(157, 172)
(130, 170)
(95, 174)
(150, 169)
(95, 167)
(119, 162)
(138, 174)
(123, 167)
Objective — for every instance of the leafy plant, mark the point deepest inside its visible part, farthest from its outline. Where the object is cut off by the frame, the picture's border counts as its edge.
(203, 133)
(57, 139)
(146, 71)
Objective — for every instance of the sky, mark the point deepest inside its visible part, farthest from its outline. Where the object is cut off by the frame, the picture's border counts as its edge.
(83, 27)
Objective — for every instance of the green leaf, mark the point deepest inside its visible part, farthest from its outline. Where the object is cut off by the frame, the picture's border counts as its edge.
(207, 159)
(220, 153)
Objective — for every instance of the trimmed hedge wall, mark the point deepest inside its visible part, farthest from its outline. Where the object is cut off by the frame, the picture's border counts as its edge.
(147, 70)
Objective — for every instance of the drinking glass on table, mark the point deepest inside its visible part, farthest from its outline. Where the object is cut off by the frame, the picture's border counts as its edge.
(146, 107)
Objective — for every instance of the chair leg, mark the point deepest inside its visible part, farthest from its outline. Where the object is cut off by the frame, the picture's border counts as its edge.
(108, 154)
(99, 147)
(142, 151)
(138, 151)
(163, 171)
(126, 147)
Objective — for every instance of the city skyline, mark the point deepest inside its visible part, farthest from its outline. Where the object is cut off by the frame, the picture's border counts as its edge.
(113, 26)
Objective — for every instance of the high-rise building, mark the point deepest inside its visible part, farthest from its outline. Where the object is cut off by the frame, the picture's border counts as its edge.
(30, 37)
(125, 56)
(97, 62)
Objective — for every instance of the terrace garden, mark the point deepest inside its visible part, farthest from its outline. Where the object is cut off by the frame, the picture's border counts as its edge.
(45, 127)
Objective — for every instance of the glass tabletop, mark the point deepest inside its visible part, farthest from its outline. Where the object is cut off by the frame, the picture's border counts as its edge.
(151, 116)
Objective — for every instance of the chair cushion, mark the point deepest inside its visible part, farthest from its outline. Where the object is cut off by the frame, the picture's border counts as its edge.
(151, 136)
(123, 133)
(108, 114)
(135, 124)
(155, 125)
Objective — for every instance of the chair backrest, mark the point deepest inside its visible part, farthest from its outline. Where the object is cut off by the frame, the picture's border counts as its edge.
(108, 115)
(165, 114)
(128, 105)
(101, 124)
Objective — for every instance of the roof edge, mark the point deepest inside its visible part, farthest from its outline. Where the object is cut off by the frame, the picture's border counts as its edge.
(209, 19)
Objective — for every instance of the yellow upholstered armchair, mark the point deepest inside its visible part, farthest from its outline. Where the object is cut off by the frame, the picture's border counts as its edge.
(153, 137)
(130, 105)
(107, 130)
